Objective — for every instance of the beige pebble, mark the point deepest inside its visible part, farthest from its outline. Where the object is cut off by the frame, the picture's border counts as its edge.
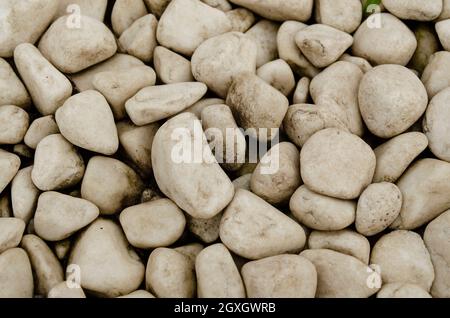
(436, 76)
(94, 9)
(110, 184)
(217, 274)
(427, 45)
(62, 248)
(241, 19)
(196, 22)
(157, 7)
(436, 239)
(9, 165)
(353, 275)
(11, 231)
(139, 39)
(402, 290)
(74, 49)
(322, 44)
(320, 212)
(336, 163)
(170, 274)
(39, 129)
(425, 193)
(12, 90)
(86, 120)
(219, 60)
(62, 290)
(414, 9)
(108, 266)
(301, 94)
(278, 74)
(46, 268)
(403, 257)
(58, 215)
(24, 194)
(48, 87)
(153, 224)
(154, 103)
(5, 206)
(343, 241)
(385, 111)
(243, 182)
(207, 230)
(16, 277)
(358, 61)
(279, 10)
(395, 155)
(343, 15)
(390, 43)
(222, 5)
(125, 13)
(14, 122)
(190, 250)
(120, 85)
(445, 14)
(253, 229)
(257, 106)
(199, 106)
(57, 164)
(277, 176)
(264, 33)
(171, 67)
(193, 180)
(281, 276)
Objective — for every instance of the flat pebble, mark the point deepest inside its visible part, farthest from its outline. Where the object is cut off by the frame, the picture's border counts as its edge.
(12, 90)
(279, 10)
(171, 67)
(14, 122)
(16, 277)
(11, 231)
(39, 129)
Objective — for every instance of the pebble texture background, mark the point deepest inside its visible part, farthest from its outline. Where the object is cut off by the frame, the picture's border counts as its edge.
(352, 98)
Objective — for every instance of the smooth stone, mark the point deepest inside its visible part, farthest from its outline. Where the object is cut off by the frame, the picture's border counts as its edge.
(217, 274)
(281, 276)
(426, 193)
(414, 9)
(24, 195)
(290, 52)
(343, 241)
(222, 5)
(48, 87)
(39, 129)
(258, 107)
(190, 250)
(436, 76)
(154, 103)
(195, 23)
(279, 10)
(353, 275)
(336, 88)
(402, 290)
(16, 277)
(336, 163)
(46, 268)
(94, 9)
(254, 229)
(57, 164)
(386, 112)
(243, 182)
(139, 39)
(11, 231)
(277, 175)
(24, 22)
(120, 85)
(437, 241)
(427, 45)
(108, 266)
(194, 181)
(72, 50)
(111, 185)
(264, 33)
(442, 29)
(5, 206)
(445, 14)
(207, 230)
(125, 13)
(153, 224)
(301, 93)
(58, 216)
(63, 291)
(199, 106)
(219, 60)
(303, 120)
(86, 120)
(157, 7)
(322, 44)
(62, 248)
(138, 294)
(14, 122)
(378, 206)
(278, 74)
(320, 212)
(12, 90)
(395, 155)
(241, 19)
(171, 67)
(170, 274)
(343, 15)
(403, 258)
(136, 142)
(9, 165)
(391, 43)
(358, 61)
(436, 125)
